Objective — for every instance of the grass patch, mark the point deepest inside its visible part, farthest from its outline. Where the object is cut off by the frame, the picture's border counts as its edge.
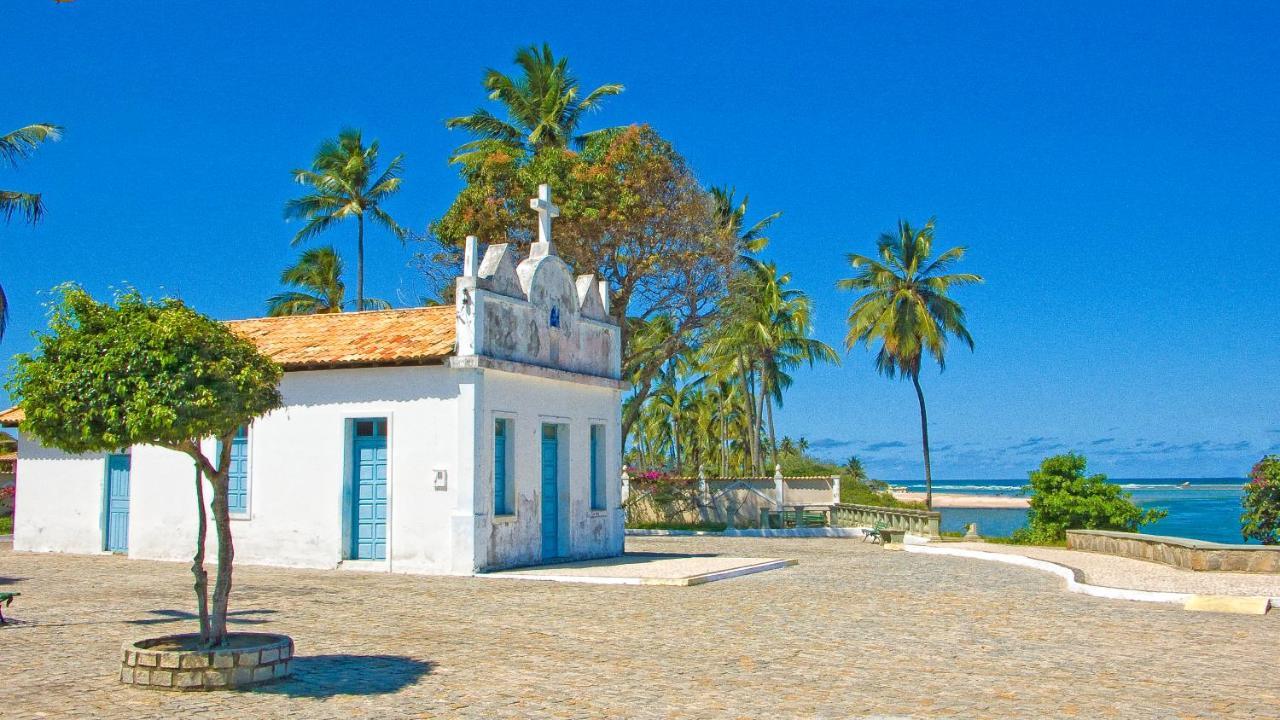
(701, 527)
(954, 535)
(1010, 541)
(6, 525)
(854, 492)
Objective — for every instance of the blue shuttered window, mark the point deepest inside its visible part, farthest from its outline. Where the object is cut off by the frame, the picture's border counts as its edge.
(597, 468)
(501, 491)
(238, 473)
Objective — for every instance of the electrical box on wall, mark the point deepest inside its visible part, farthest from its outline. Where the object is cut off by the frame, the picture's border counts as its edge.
(442, 479)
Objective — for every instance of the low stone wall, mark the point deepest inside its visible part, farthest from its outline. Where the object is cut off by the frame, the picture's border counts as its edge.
(206, 670)
(1178, 552)
(917, 522)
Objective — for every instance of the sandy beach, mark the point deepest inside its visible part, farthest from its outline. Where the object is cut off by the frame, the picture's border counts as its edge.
(959, 500)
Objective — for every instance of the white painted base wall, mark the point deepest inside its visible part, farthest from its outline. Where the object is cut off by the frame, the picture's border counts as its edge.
(438, 417)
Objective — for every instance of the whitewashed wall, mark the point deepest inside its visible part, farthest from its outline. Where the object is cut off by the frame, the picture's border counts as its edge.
(530, 402)
(299, 471)
(299, 468)
(59, 502)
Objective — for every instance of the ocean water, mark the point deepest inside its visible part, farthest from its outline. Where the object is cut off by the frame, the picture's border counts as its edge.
(1209, 509)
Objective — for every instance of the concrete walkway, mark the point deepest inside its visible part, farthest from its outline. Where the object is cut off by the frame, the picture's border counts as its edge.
(1119, 572)
(646, 569)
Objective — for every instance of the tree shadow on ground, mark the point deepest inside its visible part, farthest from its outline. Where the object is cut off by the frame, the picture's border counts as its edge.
(324, 676)
(236, 617)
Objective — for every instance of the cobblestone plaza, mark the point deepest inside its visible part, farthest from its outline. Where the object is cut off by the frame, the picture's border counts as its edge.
(852, 630)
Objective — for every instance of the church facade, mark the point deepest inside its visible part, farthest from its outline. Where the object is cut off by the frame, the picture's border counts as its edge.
(453, 439)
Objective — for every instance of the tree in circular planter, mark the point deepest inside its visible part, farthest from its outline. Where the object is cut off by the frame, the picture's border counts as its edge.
(146, 372)
(1261, 518)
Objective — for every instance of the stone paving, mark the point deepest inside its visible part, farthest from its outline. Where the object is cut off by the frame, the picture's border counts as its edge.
(853, 630)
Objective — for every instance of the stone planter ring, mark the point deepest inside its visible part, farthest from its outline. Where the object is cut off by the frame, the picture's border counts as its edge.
(175, 662)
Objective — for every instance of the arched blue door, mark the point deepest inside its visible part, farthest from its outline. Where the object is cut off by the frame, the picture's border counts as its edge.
(550, 492)
(117, 521)
(369, 490)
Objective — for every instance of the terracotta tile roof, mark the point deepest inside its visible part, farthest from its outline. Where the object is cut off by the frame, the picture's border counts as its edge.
(381, 337)
(11, 417)
(9, 456)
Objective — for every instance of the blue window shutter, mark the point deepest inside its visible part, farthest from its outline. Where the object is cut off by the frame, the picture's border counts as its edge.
(500, 467)
(597, 499)
(238, 472)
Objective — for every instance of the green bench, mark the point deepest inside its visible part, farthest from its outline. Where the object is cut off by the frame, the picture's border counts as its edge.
(883, 534)
(794, 518)
(6, 599)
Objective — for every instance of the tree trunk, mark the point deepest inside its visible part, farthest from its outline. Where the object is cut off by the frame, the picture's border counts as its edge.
(753, 439)
(773, 438)
(759, 430)
(359, 263)
(226, 554)
(197, 562)
(924, 434)
(724, 439)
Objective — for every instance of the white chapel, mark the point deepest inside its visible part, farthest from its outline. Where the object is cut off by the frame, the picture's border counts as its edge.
(453, 439)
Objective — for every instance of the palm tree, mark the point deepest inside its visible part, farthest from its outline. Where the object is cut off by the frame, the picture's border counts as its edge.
(731, 218)
(346, 183)
(765, 332)
(905, 308)
(320, 290)
(16, 146)
(543, 107)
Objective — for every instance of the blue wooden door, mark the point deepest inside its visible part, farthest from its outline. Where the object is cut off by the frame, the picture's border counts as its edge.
(117, 503)
(550, 492)
(369, 490)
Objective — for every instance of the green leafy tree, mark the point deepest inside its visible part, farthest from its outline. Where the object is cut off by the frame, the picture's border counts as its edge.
(345, 183)
(140, 372)
(1261, 518)
(544, 106)
(905, 309)
(318, 287)
(14, 147)
(1064, 498)
(631, 212)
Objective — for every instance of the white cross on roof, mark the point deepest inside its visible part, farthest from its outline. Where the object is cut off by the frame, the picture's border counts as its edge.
(546, 210)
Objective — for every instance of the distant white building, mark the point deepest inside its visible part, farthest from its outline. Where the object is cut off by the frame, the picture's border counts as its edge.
(448, 439)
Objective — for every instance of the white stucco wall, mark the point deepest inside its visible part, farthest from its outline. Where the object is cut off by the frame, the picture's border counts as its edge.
(299, 469)
(506, 541)
(59, 503)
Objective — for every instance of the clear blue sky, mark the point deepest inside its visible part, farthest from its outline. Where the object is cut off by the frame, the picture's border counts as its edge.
(1113, 171)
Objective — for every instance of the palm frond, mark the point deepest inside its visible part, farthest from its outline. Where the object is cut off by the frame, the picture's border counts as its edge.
(19, 144)
(27, 205)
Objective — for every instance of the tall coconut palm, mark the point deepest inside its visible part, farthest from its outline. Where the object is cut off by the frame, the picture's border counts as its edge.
(317, 279)
(16, 146)
(905, 309)
(543, 106)
(731, 217)
(345, 183)
(765, 332)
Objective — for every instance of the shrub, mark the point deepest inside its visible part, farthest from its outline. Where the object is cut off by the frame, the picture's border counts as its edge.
(1261, 518)
(1063, 497)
